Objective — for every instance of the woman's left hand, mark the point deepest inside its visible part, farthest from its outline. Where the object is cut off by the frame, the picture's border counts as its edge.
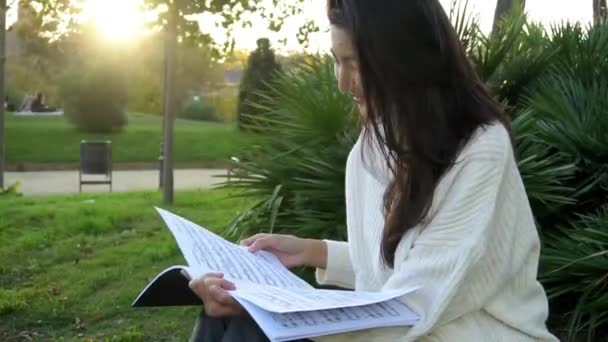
(213, 289)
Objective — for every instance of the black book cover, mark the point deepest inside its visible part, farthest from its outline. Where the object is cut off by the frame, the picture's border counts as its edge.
(169, 288)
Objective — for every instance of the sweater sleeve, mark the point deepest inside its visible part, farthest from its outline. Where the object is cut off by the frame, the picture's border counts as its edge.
(339, 271)
(451, 260)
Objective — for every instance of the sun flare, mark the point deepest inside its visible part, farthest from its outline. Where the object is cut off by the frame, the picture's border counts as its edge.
(116, 20)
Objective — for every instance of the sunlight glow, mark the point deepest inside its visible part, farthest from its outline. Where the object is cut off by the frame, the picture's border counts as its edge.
(116, 20)
(124, 21)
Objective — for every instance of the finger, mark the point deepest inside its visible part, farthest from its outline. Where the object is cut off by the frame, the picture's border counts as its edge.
(213, 275)
(206, 276)
(248, 241)
(226, 285)
(203, 282)
(221, 296)
(267, 242)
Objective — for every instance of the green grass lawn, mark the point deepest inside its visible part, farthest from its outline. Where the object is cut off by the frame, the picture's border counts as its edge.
(54, 140)
(70, 266)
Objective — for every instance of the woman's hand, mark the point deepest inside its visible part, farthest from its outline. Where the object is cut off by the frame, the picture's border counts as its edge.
(213, 289)
(292, 251)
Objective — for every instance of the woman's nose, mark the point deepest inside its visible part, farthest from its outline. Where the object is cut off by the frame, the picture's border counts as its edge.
(344, 83)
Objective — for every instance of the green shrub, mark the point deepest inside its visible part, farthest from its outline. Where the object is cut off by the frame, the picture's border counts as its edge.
(568, 105)
(574, 268)
(198, 110)
(95, 98)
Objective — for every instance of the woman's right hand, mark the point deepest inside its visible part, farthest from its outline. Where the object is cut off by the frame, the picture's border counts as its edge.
(213, 289)
(292, 251)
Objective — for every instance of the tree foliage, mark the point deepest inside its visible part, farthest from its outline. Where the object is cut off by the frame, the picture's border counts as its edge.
(57, 17)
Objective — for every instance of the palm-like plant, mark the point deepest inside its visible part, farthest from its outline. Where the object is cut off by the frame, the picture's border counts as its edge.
(297, 169)
(580, 51)
(572, 116)
(562, 120)
(574, 269)
(511, 61)
(465, 24)
(546, 173)
(491, 52)
(513, 58)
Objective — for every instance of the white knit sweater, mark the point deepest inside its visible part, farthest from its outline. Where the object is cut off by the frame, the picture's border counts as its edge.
(476, 258)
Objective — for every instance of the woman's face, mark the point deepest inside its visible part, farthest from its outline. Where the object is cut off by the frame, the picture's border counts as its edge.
(346, 67)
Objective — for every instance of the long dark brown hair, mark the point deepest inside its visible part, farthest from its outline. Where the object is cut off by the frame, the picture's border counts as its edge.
(424, 99)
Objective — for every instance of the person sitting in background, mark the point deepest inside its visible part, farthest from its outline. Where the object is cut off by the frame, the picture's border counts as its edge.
(38, 105)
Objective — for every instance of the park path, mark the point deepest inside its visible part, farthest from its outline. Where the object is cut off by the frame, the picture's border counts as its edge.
(66, 182)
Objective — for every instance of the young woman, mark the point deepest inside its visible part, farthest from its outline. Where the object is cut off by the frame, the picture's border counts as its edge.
(433, 193)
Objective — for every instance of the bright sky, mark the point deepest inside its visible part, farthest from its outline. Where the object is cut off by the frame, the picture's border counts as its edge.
(122, 20)
(124, 24)
(545, 11)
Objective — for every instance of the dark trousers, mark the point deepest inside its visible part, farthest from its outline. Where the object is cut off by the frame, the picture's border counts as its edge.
(208, 329)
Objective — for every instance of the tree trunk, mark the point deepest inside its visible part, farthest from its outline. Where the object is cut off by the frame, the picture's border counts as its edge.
(503, 8)
(161, 157)
(600, 12)
(169, 105)
(2, 91)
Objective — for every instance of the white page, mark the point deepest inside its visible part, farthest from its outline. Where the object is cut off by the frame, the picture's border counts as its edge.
(300, 325)
(207, 252)
(283, 300)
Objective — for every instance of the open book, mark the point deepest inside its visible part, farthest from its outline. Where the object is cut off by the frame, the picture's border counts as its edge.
(283, 305)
